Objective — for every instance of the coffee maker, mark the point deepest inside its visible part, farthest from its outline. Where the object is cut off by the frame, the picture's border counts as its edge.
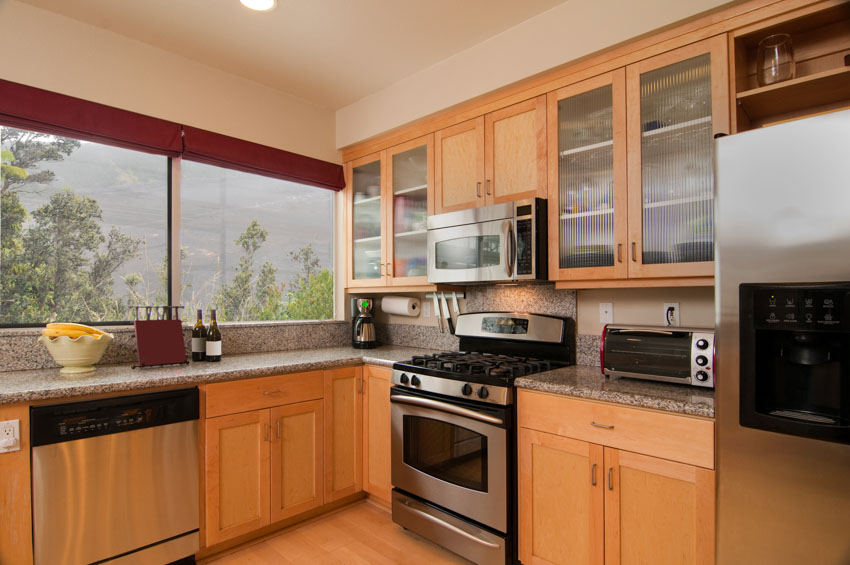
(363, 334)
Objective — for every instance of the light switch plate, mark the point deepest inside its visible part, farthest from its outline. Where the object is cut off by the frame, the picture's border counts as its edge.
(606, 312)
(10, 436)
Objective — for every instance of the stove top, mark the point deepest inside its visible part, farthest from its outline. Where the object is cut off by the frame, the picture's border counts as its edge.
(483, 368)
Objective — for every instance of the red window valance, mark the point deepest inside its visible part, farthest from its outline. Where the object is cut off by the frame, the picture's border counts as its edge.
(35, 109)
(232, 153)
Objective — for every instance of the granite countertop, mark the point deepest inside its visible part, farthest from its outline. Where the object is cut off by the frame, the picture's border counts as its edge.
(28, 386)
(588, 382)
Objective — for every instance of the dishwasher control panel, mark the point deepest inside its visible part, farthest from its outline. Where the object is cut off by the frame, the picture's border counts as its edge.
(78, 420)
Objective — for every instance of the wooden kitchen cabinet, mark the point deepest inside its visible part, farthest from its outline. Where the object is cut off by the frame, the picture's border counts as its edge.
(263, 452)
(296, 458)
(388, 197)
(495, 158)
(631, 170)
(343, 432)
(376, 432)
(237, 474)
(585, 499)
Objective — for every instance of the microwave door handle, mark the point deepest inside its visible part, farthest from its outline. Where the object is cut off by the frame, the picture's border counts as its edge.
(509, 231)
(445, 407)
(513, 246)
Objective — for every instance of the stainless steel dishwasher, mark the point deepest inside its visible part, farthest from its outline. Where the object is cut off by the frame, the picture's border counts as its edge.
(116, 480)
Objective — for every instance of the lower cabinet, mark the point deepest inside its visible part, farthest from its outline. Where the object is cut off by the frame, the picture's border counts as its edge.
(376, 432)
(584, 502)
(343, 432)
(262, 465)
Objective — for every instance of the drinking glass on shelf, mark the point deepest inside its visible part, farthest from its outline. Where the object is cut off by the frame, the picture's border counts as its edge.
(775, 59)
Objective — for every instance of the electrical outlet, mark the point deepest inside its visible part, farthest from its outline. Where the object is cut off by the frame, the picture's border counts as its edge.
(671, 313)
(606, 312)
(10, 436)
(426, 309)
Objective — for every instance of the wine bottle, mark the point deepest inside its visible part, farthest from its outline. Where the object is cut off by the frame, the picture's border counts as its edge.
(213, 340)
(199, 339)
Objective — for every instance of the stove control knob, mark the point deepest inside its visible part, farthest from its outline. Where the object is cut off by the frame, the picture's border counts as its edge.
(414, 380)
(702, 360)
(467, 389)
(702, 376)
(483, 392)
(404, 379)
(702, 344)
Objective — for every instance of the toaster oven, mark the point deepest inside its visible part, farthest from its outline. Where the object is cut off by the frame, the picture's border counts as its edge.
(668, 354)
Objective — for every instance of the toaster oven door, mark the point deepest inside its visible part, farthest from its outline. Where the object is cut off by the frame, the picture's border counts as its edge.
(650, 354)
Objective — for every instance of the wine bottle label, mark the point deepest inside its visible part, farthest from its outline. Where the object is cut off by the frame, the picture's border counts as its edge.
(199, 344)
(213, 348)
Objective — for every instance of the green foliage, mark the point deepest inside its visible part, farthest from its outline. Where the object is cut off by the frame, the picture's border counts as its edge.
(7, 169)
(314, 298)
(31, 148)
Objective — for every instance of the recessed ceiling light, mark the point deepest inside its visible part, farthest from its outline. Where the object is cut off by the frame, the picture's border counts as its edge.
(259, 5)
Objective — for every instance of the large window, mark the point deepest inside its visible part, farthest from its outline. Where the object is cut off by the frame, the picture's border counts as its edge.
(255, 247)
(85, 237)
(84, 229)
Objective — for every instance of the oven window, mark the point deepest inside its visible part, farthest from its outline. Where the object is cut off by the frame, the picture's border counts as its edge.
(446, 451)
(472, 252)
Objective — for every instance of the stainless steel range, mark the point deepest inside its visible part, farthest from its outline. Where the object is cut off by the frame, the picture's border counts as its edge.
(454, 431)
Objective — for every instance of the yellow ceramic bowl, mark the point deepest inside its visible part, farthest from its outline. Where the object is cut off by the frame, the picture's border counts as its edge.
(76, 355)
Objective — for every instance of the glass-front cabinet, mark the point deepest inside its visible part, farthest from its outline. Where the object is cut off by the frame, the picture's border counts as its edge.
(388, 198)
(633, 192)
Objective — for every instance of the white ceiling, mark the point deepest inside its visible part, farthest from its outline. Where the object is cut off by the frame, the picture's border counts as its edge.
(330, 52)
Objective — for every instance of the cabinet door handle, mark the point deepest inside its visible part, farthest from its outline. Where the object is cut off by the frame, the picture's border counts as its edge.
(390, 269)
(278, 429)
(634, 252)
(478, 189)
(604, 426)
(619, 253)
(381, 269)
(610, 478)
(593, 475)
(360, 385)
(487, 189)
(266, 428)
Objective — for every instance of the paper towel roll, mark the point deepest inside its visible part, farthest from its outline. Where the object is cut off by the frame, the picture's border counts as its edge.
(401, 305)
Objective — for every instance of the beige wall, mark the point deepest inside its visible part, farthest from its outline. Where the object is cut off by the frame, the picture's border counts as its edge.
(645, 306)
(564, 33)
(56, 53)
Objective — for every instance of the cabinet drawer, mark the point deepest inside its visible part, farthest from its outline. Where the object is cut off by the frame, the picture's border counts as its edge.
(265, 392)
(668, 436)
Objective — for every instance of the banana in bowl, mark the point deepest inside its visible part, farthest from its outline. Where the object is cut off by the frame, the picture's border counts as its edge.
(75, 347)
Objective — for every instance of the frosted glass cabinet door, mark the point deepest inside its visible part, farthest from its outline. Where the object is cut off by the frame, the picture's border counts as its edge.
(682, 102)
(589, 219)
(410, 170)
(367, 222)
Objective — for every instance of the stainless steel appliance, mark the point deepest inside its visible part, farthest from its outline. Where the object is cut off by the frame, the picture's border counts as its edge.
(782, 218)
(363, 335)
(502, 242)
(669, 354)
(116, 480)
(454, 431)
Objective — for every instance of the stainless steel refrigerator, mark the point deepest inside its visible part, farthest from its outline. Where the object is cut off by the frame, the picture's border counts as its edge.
(783, 217)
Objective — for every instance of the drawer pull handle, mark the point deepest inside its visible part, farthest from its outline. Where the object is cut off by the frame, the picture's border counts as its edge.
(603, 426)
(272, 392)
(610, 478)
(266, 427)
(593, 475)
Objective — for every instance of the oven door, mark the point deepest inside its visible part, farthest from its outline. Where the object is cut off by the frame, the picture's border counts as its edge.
(452, 455)
(478, 252)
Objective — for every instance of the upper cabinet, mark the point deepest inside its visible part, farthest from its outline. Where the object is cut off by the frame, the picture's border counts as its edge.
(498, 157)
(388, 197)
(631, 170)
(817, 81)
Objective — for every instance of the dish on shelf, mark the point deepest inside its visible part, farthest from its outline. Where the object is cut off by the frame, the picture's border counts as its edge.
(657, 257)
(691, 251)
(589, 256)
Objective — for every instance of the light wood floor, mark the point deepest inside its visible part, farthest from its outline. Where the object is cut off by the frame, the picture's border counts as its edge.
(360, 534)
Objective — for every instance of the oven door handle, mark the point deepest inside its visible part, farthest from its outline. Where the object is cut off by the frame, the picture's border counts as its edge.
(446, 407)
(450, 527)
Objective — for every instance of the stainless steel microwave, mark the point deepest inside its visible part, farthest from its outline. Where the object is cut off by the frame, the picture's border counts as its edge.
(669, 354)
(502, 242)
